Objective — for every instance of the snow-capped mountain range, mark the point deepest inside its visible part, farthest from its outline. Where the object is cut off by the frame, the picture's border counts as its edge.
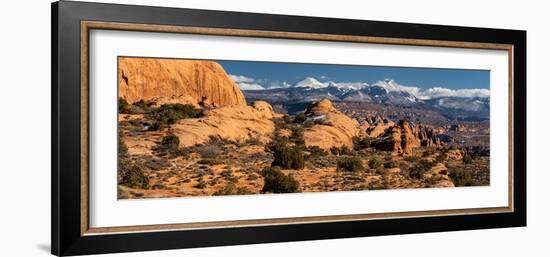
(473, 102)
(388, 85)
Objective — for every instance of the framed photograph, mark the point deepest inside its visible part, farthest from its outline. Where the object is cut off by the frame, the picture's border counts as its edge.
(178, 128)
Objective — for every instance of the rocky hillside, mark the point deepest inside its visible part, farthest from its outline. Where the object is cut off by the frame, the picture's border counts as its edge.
(181, 81)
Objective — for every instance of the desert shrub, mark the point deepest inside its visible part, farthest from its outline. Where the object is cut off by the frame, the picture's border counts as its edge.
(228, 175)
(252, 176)
(440, 158)
(411, 158)
(215, 140)
(418, 169)
(317, 151)
(427, 163)
(123, 166)
(227, 190)
(146, 106)
(243, 191)
(237, 142)
(361, 143)
(168, 114)
(122, 148)
(209, 161)
(276, 181)
(381, 171)
(276, 139)
(132, 175)
(253, 141)
(201, 185)
(299, 118)
(297, 136)
(178, 111)
(139, 107)
(375, 163)
(231, 189)
(311, 123)
(281, 123)
(351, 164)
(434, 179)
(157, 125)
(154, 163)
(170, 142)
(467, 159)
(287, 157)
(208, 150)
(170, 145)
(123, 106)
(321, 122)
(390, 164)
(342, 150)
(159, 186)
(218, 141)
(461, 177)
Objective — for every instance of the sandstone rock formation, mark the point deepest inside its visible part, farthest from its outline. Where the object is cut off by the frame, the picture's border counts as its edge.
(237, 123)
(332, 129)
(439, 176)
(455, 154)
(404, 137)
(182, 81)
(378, 125)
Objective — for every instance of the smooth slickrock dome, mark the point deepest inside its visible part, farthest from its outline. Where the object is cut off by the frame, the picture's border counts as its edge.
(237, 123)
(337, 129)
(193, 82)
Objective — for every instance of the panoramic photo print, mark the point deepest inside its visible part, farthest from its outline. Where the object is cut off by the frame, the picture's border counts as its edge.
(217, 127)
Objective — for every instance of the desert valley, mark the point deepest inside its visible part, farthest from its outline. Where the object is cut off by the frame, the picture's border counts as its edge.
(187, 129)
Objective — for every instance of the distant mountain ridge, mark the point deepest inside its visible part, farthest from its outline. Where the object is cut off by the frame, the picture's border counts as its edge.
(460, 103)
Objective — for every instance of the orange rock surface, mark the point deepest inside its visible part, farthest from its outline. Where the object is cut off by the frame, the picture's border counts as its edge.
(337, 130)
(237, 123)
(171, 80)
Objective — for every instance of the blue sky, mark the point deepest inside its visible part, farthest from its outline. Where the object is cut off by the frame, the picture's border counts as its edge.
(265, 73)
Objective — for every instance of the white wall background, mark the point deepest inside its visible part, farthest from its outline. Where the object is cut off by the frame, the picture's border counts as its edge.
(25, 127)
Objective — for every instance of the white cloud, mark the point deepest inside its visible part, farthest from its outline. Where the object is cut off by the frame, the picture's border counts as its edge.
(278, 84)
(240, 78)
(434, 92)
(246, 83)
(250, 86)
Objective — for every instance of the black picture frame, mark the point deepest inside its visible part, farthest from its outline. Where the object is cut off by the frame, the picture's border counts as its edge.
(66, 235)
